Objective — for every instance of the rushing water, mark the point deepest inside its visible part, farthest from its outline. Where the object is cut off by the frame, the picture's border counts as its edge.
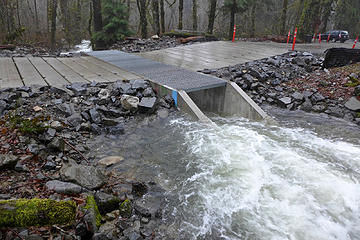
(246, 180)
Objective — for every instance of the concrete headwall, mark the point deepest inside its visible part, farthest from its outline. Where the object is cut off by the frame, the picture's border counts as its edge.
(228, 100)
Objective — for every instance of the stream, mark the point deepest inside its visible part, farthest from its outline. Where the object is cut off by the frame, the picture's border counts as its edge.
(247, 180)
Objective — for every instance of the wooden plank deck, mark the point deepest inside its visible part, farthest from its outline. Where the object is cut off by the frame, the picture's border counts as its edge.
(66, 72)
(52, 77)
(9, 76)
(83, 71)
(58, 72)
(28, 73)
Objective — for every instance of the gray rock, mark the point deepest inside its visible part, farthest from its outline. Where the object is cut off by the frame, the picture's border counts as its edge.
(317, 97)
(49, 166)
(353, 104)
(3, 106)
(78, 88)
(111, 122)
(8, 161)
(65, 109)
(284, 101)
(95, 129)
(129, 102)
(147, 103)
(356, 93)
(106, 202)
(272, 61)
(57, 144)
(139, 84)
(248, 78)
(109, 161)
(56, 125)
(335, 111)
(297, 96)
(5, 196)
(122, 87)
(134, 236)
(318, 108)
(307, 105)
(149, 206)
(63, 187)
(148, 92)
(95, 116)
(34, 148)
(19, 167)
(118, 129)
(74, 120)
(86, 176)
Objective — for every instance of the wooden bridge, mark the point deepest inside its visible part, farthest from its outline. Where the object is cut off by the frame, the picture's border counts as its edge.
(57, 72)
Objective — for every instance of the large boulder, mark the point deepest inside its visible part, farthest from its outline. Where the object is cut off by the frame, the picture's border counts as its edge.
(86, 176)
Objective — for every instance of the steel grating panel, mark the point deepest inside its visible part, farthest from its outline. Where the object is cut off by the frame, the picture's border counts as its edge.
(164, 74)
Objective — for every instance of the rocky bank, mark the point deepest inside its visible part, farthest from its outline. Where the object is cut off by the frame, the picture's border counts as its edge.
(44, 154)
(296, 80)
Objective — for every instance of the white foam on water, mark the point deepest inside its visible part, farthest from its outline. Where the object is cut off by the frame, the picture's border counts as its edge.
(250, 181)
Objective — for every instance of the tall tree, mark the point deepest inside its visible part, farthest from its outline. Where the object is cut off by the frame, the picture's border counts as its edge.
(310, 18)
(181, 9)
(53, 11)
(194, 15)
(253, 18)
(234, 6)
(326, 12)
(143, 20)
(98, 24)
(155, 12)
(212, 11)
(162, 16)
(36, 16)
(283, 16)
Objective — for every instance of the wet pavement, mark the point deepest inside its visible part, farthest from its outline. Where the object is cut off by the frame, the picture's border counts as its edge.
(219, 54)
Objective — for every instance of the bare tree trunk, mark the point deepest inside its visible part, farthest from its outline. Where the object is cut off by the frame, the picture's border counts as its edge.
(212, 16)
(36, 16)
(181, 8)
(53, 24)
(98, 26)
(253, 16)
(283, 17)
(18, 13)
(90, 22)
(155, 12)
(78, 31)
(194, 15)
(143, 21)
(128, 5)
(232, 19)
(162, 16)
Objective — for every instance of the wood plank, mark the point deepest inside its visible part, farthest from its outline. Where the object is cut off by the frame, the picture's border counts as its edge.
(28, 73)
(107, 75)
(52, 77)
(9, 76)
(64, 70)
(123, 74)
(82, 71)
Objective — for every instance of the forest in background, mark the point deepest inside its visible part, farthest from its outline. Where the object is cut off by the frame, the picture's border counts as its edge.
(65, 22)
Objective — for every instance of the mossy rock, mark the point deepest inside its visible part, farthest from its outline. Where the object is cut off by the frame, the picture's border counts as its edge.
(125, 209)
(36, 212)
(92, 206)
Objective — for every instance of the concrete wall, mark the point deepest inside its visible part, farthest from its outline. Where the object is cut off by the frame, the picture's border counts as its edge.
(228, 100)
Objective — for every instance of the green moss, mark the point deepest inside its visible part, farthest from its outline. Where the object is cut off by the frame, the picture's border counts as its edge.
(27, 126)
(358, 115)
(91, 204)
(36, 212)
(125, 209)
(352, 84)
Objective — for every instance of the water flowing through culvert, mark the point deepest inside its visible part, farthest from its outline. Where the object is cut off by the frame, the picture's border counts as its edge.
(246, 180)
